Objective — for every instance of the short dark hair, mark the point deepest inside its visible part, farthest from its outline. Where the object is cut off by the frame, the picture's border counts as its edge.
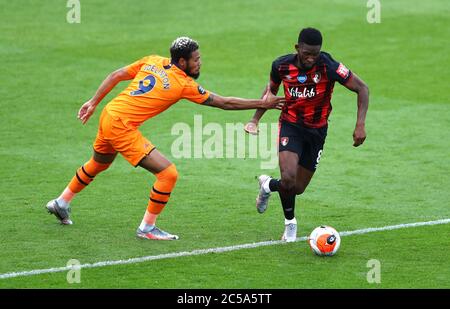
(182, 47)
(310, 36)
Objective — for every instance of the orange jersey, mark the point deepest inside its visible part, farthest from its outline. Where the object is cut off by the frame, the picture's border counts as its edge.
(156, 86)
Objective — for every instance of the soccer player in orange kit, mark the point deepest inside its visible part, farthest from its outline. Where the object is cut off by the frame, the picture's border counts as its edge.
(157, 83)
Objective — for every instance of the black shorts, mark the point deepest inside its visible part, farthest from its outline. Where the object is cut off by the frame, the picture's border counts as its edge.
(306, 142)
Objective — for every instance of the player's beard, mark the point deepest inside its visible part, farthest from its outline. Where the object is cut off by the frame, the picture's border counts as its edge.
(194, 76)
(189, 73)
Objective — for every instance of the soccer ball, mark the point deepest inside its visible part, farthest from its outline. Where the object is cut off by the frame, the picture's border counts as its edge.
(324, 241)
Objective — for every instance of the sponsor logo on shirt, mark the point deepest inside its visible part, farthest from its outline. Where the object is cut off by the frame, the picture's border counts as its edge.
(301, 78)
(305, 93)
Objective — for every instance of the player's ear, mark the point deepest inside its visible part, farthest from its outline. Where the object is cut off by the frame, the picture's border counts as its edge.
(183, 63)
(297, 47)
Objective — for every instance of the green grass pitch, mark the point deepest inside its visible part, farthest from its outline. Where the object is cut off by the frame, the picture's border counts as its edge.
(400, 175)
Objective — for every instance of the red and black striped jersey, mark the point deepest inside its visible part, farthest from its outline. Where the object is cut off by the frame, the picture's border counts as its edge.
(308, 93)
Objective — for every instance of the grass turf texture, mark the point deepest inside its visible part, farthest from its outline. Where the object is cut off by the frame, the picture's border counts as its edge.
(347, 269)
(400, 175)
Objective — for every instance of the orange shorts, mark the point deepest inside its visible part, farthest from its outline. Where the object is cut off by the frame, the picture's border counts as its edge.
(114, 136)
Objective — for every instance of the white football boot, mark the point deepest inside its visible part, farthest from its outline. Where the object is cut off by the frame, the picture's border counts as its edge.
(155, 234)
(63, 214)
(262, 200)
(290, 230)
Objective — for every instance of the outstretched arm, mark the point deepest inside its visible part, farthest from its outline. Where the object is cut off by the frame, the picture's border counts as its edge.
(252, 126)
(232, 103)
(88, 108)
(355, 84)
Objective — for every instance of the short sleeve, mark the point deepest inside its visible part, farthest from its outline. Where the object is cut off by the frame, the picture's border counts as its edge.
(337, 71)
(194, 92)
(275, 73)
(135, 67)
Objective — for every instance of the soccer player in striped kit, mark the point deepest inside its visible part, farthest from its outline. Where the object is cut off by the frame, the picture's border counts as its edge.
(308, 77)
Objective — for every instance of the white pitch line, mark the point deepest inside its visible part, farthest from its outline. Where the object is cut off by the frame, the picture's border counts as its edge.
(211, 250)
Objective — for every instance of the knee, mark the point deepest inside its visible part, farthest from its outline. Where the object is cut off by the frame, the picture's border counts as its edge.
(299, 190)
(170, 174)
(102, 167)
(288, 183)
(173, 173)
(95, 167)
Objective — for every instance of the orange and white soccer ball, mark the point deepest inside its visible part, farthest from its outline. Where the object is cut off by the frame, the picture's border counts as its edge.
(324, 241)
